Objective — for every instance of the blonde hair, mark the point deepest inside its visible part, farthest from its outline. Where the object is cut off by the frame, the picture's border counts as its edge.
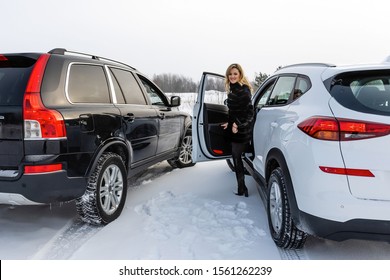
(242, 81)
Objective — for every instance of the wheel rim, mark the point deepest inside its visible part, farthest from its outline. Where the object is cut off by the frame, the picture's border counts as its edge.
(111, 189)
(185, 156)
(275, 207)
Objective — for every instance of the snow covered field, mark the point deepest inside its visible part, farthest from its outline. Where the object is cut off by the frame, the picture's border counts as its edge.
(181, 214)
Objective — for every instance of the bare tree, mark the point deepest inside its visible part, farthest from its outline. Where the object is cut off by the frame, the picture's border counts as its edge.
(174, 83)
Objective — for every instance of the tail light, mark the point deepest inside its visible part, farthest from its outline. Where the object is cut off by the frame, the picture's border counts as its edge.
(3, 58)
(39, 121)
(347, 171)
(332, 129)
(32, 169)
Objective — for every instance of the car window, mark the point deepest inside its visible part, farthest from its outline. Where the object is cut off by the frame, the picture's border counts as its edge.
(14, 75)
(155, 96)
(363, 91)
(282, 90)
(87, 84)
(129, 86)
(262, 97)
(302, 85)
(215, 92)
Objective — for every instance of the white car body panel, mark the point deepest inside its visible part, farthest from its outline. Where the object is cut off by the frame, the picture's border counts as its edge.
(376, 158)
(347, 202)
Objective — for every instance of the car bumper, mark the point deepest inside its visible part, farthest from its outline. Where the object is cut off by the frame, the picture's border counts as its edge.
(352, 229)
(42, 188)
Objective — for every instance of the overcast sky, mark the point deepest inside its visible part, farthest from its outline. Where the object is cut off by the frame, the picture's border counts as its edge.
(188, 37)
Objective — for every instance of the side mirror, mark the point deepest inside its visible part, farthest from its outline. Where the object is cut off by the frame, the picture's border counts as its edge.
(175, 101)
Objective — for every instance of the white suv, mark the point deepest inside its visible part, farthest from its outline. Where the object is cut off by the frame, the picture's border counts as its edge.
(319, 151)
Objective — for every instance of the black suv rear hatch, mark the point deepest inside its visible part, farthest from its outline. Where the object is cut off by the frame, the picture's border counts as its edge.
(15, 71)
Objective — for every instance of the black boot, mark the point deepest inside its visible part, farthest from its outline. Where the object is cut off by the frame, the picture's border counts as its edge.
(242, 191)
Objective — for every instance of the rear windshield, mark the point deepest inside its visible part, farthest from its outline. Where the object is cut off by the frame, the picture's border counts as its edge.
(363, 91)
(14, 74)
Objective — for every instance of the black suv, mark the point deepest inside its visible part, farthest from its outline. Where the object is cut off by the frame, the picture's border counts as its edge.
(75, 126)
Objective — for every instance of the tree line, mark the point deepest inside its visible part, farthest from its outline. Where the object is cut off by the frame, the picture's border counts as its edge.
(175, 83)
(178, 83)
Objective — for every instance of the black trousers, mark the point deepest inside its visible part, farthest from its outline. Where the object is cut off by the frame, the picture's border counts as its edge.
(237, 150)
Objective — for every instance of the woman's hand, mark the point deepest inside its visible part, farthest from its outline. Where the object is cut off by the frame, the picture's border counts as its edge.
(234, 128)
(224, 125)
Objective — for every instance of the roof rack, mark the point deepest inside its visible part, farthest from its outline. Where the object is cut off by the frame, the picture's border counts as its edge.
(310, 64)
(62, 51)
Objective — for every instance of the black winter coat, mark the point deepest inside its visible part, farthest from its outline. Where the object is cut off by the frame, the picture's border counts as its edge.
(240, 112)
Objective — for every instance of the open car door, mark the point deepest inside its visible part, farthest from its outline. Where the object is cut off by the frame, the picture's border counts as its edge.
(209, 113)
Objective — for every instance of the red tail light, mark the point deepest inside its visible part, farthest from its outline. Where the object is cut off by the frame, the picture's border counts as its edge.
(3, 58)
(347, 171)
(39, 121)
(332, 129)
(31, 169)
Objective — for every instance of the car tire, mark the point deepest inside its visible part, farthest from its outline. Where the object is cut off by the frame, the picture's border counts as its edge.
(185, 155)
(105, 196)
(283, 231)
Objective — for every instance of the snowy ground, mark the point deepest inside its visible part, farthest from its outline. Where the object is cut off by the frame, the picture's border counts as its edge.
(181, 214)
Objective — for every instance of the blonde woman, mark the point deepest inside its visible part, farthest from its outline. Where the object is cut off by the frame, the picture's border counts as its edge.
(239, 125)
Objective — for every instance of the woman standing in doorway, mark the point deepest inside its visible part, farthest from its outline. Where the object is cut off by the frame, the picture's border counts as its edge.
(239, 125)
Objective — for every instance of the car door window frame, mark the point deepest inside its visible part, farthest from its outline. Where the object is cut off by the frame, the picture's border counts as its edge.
(147, 84)
(73, 98)
(274, 98)
(267, 89)
(263, 93)
(298, 90)
(136, 87)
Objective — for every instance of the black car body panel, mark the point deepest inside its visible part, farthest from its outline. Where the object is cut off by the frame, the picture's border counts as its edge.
(103, 107)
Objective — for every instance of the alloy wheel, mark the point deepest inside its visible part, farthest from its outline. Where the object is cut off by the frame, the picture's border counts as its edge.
(111, 189)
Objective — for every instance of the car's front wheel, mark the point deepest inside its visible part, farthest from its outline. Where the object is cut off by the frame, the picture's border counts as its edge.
(106, 191)
(284, 233)
(185, 155)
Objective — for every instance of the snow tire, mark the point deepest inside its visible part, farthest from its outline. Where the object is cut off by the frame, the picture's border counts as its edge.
(283, 230)
(185, 155)
(105, 196)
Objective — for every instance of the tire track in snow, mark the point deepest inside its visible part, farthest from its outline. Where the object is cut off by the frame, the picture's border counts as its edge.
(292, 254)
(76, 232)
(67, 241)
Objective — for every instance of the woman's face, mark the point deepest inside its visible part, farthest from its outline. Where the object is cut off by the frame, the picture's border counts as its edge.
(234, 75)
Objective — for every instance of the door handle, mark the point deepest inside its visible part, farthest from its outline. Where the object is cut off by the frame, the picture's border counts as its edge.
(129, 117)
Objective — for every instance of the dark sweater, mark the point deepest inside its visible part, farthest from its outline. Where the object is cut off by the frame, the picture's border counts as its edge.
(240, 112)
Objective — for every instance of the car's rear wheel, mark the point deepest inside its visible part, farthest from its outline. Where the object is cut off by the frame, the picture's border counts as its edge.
(284, 233)
(105, 196)
(185, 155)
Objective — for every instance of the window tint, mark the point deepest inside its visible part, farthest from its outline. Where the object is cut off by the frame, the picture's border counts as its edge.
(14, 75)
(282, 91)
(88, 84)
(129, 86)
(302, 85)
(264, 95)
(363, 91)
(153, 93)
